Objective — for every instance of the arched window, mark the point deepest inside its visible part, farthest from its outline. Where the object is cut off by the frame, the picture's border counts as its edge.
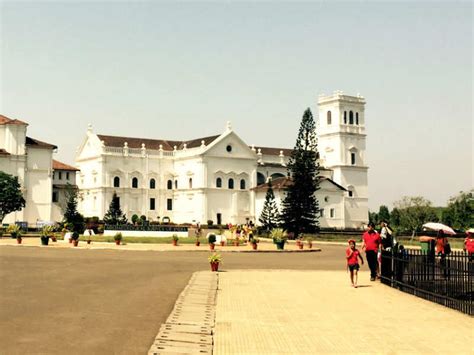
(345, 117)
(351, 117)
(135, 183)
(353, 158)
(329, 117)
(152, 183)
(260, 178)
(230, 184)
(176, 184)
(116, 181)
(169, 185)
(357, 118)
(218, 182)
(190, 183)
(242, 184)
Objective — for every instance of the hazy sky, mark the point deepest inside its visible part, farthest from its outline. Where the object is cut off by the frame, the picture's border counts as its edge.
(181, 70)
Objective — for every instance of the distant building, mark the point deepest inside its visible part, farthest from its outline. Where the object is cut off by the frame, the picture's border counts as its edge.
(30, 160)
(64, 179)
(43, 180)
(221, 178)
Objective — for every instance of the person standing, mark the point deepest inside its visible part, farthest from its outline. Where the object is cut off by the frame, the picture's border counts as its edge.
(469, 244)
(371, 244)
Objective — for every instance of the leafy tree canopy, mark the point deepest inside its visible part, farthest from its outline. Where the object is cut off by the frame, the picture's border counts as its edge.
(11, 197)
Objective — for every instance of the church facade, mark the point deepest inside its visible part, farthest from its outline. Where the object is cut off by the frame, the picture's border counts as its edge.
(221, 178)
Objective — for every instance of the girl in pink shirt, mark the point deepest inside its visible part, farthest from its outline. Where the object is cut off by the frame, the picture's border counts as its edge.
(352, 256)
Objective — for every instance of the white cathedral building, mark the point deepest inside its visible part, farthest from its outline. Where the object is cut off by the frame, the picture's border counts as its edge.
(223, 179)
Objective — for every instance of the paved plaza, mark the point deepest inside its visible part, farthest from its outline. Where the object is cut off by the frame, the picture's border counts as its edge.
(110, 300)
(307, 312)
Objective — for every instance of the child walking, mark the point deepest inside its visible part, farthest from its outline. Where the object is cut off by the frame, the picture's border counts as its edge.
(352, 255)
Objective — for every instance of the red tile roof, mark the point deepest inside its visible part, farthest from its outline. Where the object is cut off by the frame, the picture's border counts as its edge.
(39, 144)
(57, 165)
(5, 120)
(114, 141)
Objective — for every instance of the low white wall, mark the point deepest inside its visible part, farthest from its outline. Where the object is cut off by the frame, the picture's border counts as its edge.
(110, 233)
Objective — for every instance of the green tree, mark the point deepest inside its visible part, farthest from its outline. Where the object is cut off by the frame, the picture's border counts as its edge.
(114, 215)
(395, 218)
(270, 216)
(373, 217)
(460, 211)
(71, 215)
(414, 212)
(384, 214)
(11, 198)
(300, 206)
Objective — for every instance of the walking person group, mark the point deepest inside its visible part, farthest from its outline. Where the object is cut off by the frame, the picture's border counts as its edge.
(372, 244)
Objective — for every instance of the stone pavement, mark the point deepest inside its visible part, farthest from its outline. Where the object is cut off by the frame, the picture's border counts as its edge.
(309, 312)
(262, 246)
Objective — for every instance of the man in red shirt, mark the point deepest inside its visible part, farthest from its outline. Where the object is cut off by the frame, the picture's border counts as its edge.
(371, 244)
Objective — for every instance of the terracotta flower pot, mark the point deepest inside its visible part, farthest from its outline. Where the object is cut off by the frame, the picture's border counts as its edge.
(18, 240)
(310, 245)
(300, 245)
(215, 266)
(175, 242)
(211, 246)
(298, 242)
(70, 240)
(117, 242)
(89, 241)
(76, 243)
(222, 243)
(54, 239)
(198, 243)
(254, 246)
(236, 243)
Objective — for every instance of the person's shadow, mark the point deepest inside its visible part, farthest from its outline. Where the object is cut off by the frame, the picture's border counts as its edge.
(361, 286)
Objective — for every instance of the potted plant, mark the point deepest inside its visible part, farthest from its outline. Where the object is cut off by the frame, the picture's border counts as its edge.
(211, 238)
(175, 239)
(279, 237)
(46, 233)
(309, 239)
(15, 232)
(67, 228)
(75, 238)
(118, 238)
(214, 260)
(254, 242)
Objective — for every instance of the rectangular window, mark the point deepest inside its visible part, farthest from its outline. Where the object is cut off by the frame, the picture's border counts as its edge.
(67, 176)
(169, 204)
(353, 159)
(60, 174)
(321, 212)
(350, 193)
(55, 196)
(332, 213)
(152, 204)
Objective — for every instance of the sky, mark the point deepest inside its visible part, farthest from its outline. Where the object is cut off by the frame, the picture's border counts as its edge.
(181, 70)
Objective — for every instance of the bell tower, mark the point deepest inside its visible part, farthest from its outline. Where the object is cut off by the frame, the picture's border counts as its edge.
(341, 145)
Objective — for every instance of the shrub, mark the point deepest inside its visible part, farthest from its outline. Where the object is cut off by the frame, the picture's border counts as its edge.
(75, 236)
(118, 236)
(175, 237)
(134, 218)
(278, 235)
(210, 222)
(14, 230)
(211, 238)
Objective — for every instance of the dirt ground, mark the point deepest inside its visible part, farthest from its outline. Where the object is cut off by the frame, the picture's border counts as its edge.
(77, 301)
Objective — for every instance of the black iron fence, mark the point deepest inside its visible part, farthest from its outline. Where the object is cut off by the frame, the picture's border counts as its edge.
(444, 279)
